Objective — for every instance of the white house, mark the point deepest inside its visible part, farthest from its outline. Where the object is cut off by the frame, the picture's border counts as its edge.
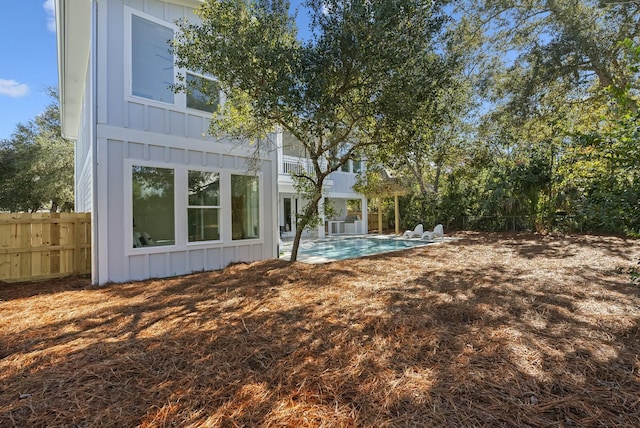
(165, 198)
(349, 206)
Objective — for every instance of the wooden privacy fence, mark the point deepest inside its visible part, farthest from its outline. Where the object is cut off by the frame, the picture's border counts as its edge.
(44, 245)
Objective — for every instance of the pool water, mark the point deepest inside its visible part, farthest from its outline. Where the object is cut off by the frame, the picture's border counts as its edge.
(326, 251)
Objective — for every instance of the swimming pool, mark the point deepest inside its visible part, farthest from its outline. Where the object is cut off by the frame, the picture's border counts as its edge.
(350, 248)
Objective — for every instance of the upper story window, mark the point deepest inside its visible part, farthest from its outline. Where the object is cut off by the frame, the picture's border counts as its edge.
(153, 72)
(291, 146)
(357, 166)
(152, 69)
(202, 93)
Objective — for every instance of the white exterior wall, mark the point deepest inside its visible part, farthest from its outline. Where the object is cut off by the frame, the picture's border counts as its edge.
(338, 187)
(126, 148)
(343, 184)
(134, 131)
(83, 156)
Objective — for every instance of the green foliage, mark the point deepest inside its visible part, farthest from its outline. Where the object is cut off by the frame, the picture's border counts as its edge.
(336, 93)
(633, 272)
(559, 143)
(36, 165)
(600, 168)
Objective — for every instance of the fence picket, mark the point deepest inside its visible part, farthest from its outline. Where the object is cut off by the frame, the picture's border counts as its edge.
(44, 245)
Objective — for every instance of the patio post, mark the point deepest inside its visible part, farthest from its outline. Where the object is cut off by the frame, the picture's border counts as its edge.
(322, 219)
(395, 197)
(364, 216)
(379, 214)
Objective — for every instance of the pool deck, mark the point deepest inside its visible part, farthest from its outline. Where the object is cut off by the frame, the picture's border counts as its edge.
(285, 246)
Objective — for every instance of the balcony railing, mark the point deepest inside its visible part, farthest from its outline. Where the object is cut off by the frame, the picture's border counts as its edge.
(297, 166)
(291, 165)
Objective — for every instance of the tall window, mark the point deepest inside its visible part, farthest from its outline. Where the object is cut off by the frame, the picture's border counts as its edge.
(203, 212)
(153, 206)
(245, 207)
(202, 93)
(357, 166)
(291, 146)
(152, 64)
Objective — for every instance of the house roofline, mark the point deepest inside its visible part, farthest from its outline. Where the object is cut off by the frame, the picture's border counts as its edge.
(73, 39)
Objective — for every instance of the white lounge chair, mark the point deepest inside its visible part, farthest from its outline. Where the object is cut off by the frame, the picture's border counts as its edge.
(438, 231)
(415, 233)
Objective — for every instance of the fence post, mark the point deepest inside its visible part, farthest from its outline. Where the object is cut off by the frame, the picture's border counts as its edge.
(76, 238)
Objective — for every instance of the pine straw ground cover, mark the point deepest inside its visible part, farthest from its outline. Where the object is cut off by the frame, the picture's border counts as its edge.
(488, 330)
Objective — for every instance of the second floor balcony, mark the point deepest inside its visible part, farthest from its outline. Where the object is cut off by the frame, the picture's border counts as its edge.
(340, 181)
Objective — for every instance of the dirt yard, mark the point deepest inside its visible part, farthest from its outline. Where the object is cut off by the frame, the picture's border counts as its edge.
(489, 330)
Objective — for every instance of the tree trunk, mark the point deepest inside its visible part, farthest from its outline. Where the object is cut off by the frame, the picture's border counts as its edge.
(417, 173)
(304, 220)
(436, 180)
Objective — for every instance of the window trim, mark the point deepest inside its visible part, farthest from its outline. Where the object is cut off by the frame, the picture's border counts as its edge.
(128, 59)
(202, 76)
(219, 207)
(128, 208)
(261, 226)
(180, 98)
(181, 241)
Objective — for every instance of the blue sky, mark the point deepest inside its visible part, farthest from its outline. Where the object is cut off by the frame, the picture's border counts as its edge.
(29, 64)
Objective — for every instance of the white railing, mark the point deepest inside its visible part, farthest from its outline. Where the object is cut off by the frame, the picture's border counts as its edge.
(297, 166)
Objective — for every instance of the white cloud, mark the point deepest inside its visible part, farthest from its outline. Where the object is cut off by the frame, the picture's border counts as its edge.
(51, 15)
(13, 89)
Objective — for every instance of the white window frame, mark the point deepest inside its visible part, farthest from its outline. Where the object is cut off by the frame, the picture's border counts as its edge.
(180, 98)
(128, 208)
(181, 200)
(202, 76)
(219, 207)
(261, 225)
(128, 59)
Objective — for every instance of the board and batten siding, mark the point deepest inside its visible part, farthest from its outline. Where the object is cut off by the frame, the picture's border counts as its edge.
(142, 148)
(83, 155)
(119, 108)
(135, 131)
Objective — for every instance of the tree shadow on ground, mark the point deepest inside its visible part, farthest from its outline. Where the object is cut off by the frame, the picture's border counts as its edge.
(439, 336)
(22, 290)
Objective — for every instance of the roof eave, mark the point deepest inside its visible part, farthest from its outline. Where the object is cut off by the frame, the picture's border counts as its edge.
(73, 33)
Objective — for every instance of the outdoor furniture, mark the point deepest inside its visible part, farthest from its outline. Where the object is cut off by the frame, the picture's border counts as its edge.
(415, 233)
(438, 231)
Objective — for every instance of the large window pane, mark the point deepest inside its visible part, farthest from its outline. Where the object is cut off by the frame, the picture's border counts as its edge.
(202, 94)
(291, 146)
(152, 63)
(357, 166)
(204, 188)
(153, 206)
(245, 207)
(203, 212)
(203, 224)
